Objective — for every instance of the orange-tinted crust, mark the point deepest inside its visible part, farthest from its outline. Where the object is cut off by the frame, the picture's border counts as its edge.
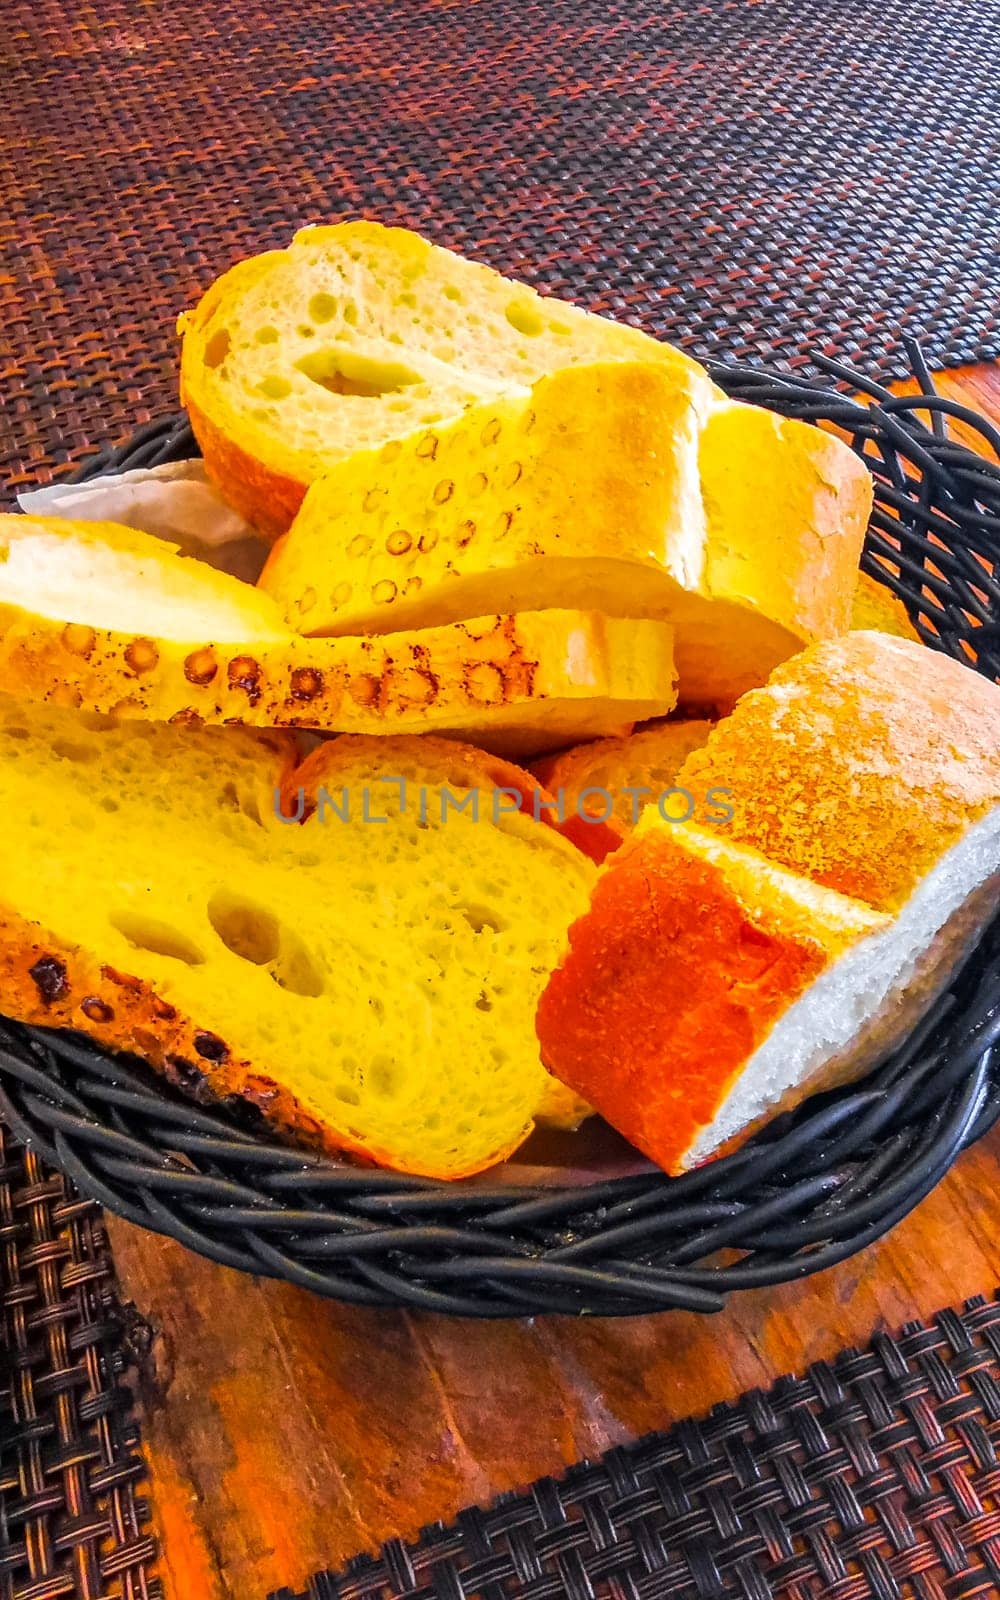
(859, 764)
(267, 498)
(669, 985)
(460, 766)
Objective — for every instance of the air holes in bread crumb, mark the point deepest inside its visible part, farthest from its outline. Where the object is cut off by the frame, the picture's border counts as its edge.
(255, 934)
(217, 348)
(74, 752)
(159, 938)
(480, 917)
(323, 307)
(267, 335)
(276, 387)
(524, 318)
(382, 1077)
(249, 931)
(341, 371)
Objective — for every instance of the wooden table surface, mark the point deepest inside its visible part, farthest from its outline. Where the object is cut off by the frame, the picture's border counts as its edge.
(285, 1433)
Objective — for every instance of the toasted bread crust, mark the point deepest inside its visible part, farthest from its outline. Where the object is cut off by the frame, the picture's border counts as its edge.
(786, 508)
(48, 983)
(860, 763)
(875, 609)
(265, 494)
(673, 978)
(501, 676)
(647, 758)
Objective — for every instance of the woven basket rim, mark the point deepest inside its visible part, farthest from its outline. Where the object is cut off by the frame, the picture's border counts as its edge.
(809, 1190)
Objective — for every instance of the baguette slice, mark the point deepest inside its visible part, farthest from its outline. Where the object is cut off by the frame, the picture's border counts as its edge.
(368, 986)
(860, 765)
(99, 616)
(622, 775)
(614, 485)
(358, 334)
(719, 978)
(697, 963)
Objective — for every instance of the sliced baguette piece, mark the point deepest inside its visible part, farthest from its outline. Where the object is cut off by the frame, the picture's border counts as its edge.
(622, 775)
(693, 955)
(358, 334)
(613, 485)
(863, 761)
(865, 782)
(368, 986)
(875, 609)
(99, 616)
(435, 775)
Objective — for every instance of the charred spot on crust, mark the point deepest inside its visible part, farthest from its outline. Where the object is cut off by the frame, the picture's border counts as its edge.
(124, 980)
(97, 1010)
(307, 683)
(186, 1075)
(79, 639)
(244, 673)
(141, 655)
(364, 689)
(49, 977)
(261, 1092)
(67, 694)
(200, 667)
(164, 1010)
(211, 1047)
(485, 683)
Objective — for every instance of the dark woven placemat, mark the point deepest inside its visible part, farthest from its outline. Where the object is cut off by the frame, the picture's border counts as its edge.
(72, 1519)
(873, 1477)
(748, 176)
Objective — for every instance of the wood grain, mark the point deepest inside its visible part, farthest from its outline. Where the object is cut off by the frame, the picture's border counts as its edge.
(285, 1434)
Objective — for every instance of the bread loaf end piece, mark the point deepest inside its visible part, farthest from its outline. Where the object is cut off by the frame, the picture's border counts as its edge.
(860, 763)
(690, 955)
(358, 334)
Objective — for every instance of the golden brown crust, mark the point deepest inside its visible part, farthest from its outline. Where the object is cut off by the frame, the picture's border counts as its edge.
(859, 764)
(267, 497)
(49, 983)
(786, 506)
(875, 609)
(498, 675)
(630, 771)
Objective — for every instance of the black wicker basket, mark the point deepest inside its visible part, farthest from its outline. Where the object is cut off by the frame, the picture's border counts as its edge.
(810, 1190)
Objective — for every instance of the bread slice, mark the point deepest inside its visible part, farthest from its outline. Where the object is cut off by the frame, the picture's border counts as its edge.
(691, 955)
(358, 334)
(720, 977)
(863, 761)
(876, 609)
(612, 780)
(368, 985)
(98, 616)
(614, 485)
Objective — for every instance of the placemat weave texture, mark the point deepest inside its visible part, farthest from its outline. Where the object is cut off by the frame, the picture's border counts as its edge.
(874, 1477)
(72, 1522)
(749, 177)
